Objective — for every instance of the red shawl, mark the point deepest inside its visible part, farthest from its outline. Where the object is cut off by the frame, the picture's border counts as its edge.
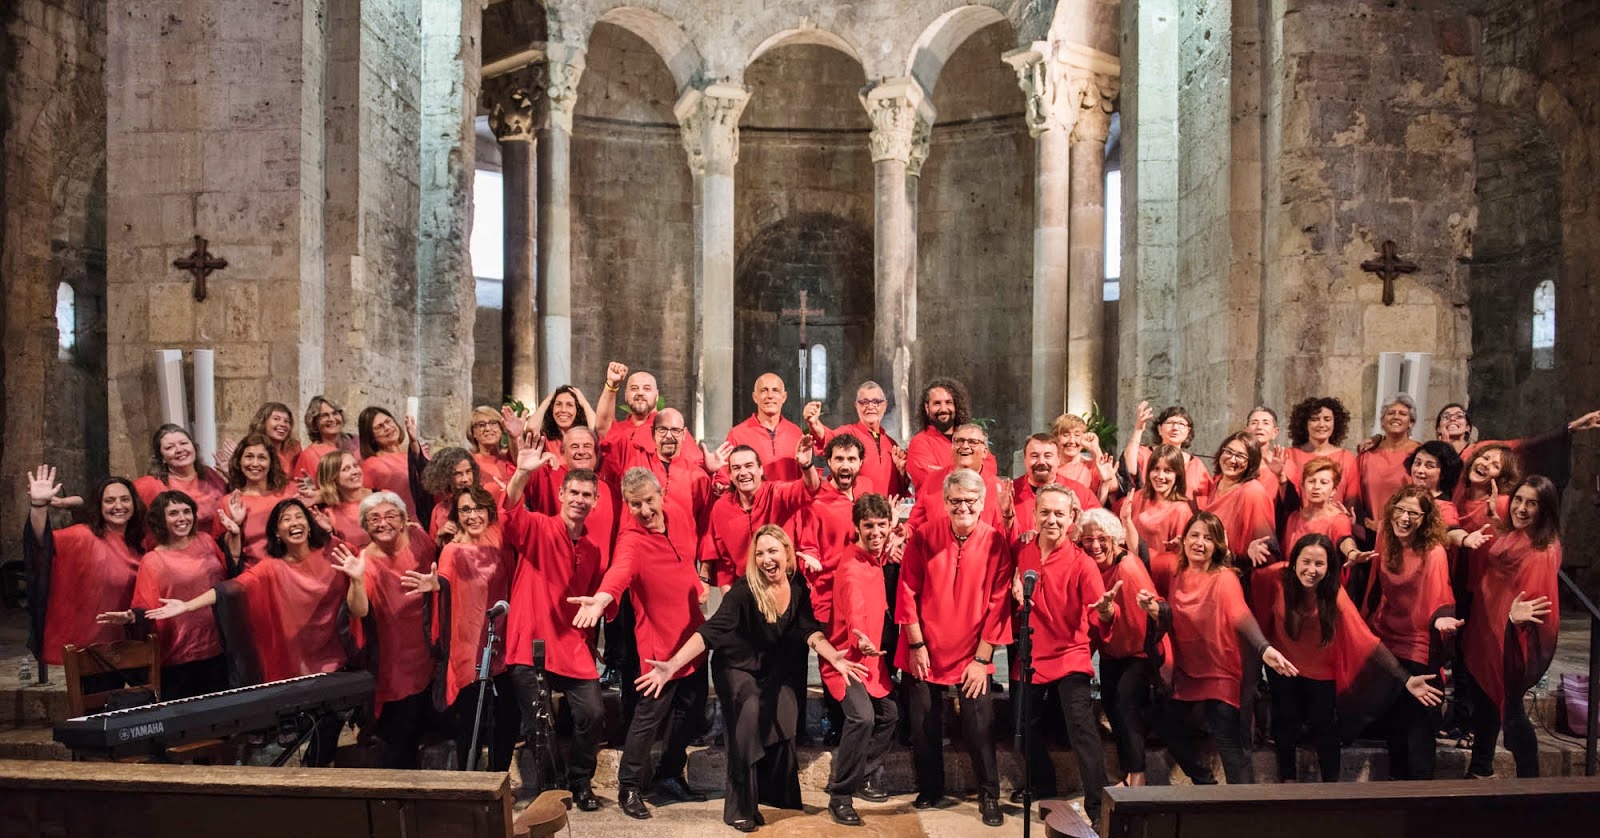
(182, 574)
(281, 619)
(83, 576)
(1509, 659)
(1409, 601)
(1212, 630)
(472, 577)
(404, 659)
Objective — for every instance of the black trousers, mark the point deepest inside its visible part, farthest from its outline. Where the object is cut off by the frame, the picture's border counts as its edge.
(759, 721)
(400, 726)
(201, 677)
(869, 725)
(622, 654)
(588, 720)
(1409, 733)
(1298, 701)
(1486, 726)
(1083, 731)
(1126, 688)
(502, 721)
(1218, 719)
(926, 710)
(681, 704)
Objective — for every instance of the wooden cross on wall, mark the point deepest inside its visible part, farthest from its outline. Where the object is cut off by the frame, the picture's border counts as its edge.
(200, 263)
(791, 315)
(1388, 266)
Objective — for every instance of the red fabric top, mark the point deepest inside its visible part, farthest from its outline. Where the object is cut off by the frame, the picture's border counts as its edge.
(89, 575)
(1246, 513)
(1352, 646)
(929, 453)
(1507, 660)
(182, 574)
(1474, 513)
(310, 457)
(347, 524)
(878, 473)
(1064, 621)
(1349, 490)
(658, 570)
(1383, 472)
(1269, 482)
(1132, 624)
(685, 487)
(776, 447)
(475, 576)
(599, 527)
(1208, 617)
(392, 473)
(958, 592)
(1024, 496)
(824, 529)
(495, 472)
(1335, 527)
(1159, 521)
(1084, 473)
(253, 534)
(549, 567)
(627, 445)
(405, 656)
(860, 604)
(1410, 601)
(293, 613)
(208, 488)
(929, 506)
(726, 545)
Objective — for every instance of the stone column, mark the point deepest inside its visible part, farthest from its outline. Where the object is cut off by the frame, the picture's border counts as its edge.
(1087, 244)
(895, 107)
(921, 137)
(708, 119)
(515, 102)
(553, 295)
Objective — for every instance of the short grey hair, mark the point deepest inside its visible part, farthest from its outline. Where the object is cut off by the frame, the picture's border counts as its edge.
(963, 478)
(1103, 520)
(1402, 398)
(379, 498)
(1057, 488)
(638, 479)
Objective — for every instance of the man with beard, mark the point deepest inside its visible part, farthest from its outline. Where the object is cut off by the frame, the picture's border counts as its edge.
(772, 437)
(685, 485)
(954, 582)
(756, 500)
(883, 463)
(824, 528)
(944, 408)
(969, 446)
(1041, 461)
(631, 442)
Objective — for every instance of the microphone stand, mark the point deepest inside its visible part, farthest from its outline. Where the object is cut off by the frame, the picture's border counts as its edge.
(484, 686)
(1021, 709)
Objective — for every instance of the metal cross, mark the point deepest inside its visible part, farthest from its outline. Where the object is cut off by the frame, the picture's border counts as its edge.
(200, 263)
(1388, 266)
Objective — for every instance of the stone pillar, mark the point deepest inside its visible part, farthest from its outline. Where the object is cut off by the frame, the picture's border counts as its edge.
(895, 107)
(1087, 243)
(708, 119)
(564, 66)
(515, 101)
(921, 138)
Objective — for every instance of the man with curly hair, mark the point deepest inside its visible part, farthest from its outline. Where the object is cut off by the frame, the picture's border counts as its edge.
(945, 407)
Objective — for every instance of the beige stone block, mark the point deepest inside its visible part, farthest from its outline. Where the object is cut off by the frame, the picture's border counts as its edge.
(240, 316)
(172, 312)
(242, 360)
(1399, 328)
(237, 401)
(250, 217)
(127, 313)
(178, 220)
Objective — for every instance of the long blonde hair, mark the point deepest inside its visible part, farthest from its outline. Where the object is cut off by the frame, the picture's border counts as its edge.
(758, 585)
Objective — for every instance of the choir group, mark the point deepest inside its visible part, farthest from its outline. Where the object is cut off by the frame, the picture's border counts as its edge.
(1355, 581)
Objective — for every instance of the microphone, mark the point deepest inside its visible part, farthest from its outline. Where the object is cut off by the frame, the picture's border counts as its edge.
(1029, 581)
(500, 608)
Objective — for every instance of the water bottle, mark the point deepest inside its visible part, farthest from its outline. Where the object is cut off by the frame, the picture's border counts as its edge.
(25, 672)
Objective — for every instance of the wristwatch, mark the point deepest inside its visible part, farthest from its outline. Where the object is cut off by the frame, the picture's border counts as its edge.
(984, 661)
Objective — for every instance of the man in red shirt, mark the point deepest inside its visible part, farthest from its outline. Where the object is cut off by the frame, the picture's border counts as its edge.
(954, 582)
(883, 463)
(1041, 459)
(969, 445)
(627, 441)
(767, 433)
(654, 563)
(1068, 592)
(945, 407)
(755, 501)
(858, 620)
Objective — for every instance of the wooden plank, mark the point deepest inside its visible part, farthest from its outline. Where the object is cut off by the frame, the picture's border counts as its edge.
(254, 781)
(1134, 799)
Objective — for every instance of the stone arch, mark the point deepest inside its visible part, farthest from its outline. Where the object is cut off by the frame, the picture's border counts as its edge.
(943, 37)
(665, 35)
(804, 35)
(830, 258)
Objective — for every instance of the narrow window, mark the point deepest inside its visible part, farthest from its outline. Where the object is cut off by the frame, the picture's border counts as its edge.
(1544, 325)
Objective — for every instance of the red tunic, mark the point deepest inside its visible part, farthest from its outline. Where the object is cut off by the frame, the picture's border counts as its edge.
(1131, 626)
(549, 567)
(929, 507)
(1349, 490)
(1063, 619)
(730, 527)
(775, 447)
(860, 603)
(208, 488)
(878, 473)
(1246, 513)
(599, 527)
(292, 611)
(627, 445)
(89, 576)
(1507, 660)
(824, 529)
(1024, 496)
(473, 577)
(658, 570)
(1410, 601)
(311, 457)
(347, 524)
(1211, 626)
(253, 534)
(390, 473)
(958, 592)
(494, 472)
(929, 452)
(1383, 472)
(182, 574)
(1473, 515)
(405, 659)
(1083, 473)
(685, 487)
(1336, 527)
(1159, 522)
(1163, 567)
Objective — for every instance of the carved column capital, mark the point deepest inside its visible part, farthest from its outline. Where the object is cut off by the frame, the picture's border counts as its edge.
(921, 136)
(516, 102)
(563, 67)
(1062, 81)
(895, 107)
(708, 120)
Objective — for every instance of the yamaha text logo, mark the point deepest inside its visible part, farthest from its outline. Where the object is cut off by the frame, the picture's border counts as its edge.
(141, 731)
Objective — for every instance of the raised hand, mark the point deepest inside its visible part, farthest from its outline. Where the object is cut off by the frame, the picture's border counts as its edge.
(225, 451)
(1479, 537)
(321, 516)
(235, 507)
(716, 459)
(515, 424)
(616, 373)
(590, 609)
(1272, 458)
(1529, 610)
(1107, 466)
(229, 526)
(651, 683)
(805, 450)
(421, 583)
(1362, 556)
(1006, 500)
(351, 564)
(1144, 414)
(1130, 532)
(1103, 605)
(1494, 495)
(1091, 443)
(897, 546)
(169, 608)
(42, 486)
(811, 414)
(1425, 693)
(1448, 625)
(306, 488)
(1280, 664)
(864, 644)
(533, 457)
(1259, 552)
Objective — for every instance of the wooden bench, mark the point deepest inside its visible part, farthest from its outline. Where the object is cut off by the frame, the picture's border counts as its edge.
(1454, 808)
(102, 800)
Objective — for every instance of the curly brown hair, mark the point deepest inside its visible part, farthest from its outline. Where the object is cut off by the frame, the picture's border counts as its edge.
(958, 394)
(1300, 420)
(1428, 534)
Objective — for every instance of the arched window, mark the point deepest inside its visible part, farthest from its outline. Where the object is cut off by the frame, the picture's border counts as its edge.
(817, 372)
(66, 320)
(1544, 325)
(488, 236)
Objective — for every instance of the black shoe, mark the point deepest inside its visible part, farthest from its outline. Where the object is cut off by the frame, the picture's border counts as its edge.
(989, 808)
(611, 680)
(843, 812)
(744, 825)
(677, 789)
(926, 800)
(632, 804)
(1016, 796)
(870, 791)
(583, 797)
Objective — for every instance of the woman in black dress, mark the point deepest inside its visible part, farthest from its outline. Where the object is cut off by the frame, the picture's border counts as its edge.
(763, 620)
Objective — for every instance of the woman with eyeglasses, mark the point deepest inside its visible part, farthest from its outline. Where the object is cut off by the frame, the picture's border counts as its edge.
(325, 434)
(1317, 428)
(392, 459)
(1512, 637)
(493, 448)
(175, 466)
(1237, 498)
(1410, 607)
(1174, 427)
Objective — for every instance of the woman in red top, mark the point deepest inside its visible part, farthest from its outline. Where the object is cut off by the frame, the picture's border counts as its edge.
(1213, 635)
(1382, 464)
(82, 571)
(174, 465)
(184, 564)
(1345, 673)
(1161, 509)
(1479, 501)
(1410, 607)
(339, 495)
(1319, 512)
(1237, 498)
(275, 422)
(493, 449)
(1073, 440)
(1512, 637)
(389, 462)
(1317, 426)
(561, 411)
(1174, 427)
(450, 471)
(257, 484)
(325, 434)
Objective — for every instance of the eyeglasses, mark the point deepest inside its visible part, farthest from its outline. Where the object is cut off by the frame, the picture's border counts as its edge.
(391, 517)
(1233, 454)
(1096, 539)
(967, 442)
(963, 503)
(670, 431)
(1408, 515)
(483, 426)
(872, 402)
(331, 414)
(1453, 414)
(469, 510)
(1174, 423)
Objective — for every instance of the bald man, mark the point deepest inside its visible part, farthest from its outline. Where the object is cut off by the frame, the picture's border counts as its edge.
(630, 442)
(883, 463)
(766, 432)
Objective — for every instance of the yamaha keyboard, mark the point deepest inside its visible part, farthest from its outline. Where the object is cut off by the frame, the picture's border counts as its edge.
(155, 727)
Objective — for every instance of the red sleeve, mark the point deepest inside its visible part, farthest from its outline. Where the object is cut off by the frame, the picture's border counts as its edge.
(519, 533)
(146, 584)
(921, 462)
(913, 568)
(997, 624)
(620, 575)
(788, 496)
